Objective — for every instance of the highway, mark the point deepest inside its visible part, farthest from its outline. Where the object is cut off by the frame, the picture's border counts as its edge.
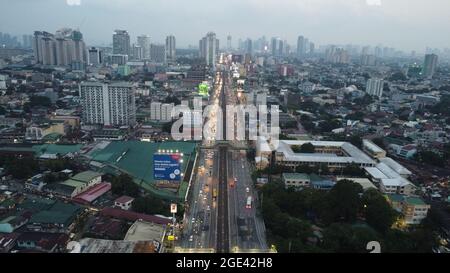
(217, 216)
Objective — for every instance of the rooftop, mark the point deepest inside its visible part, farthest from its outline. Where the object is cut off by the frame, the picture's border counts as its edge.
(136, 159)
(352, 153)
(133, 216)
(124, 199)
(144, 231)
(86, 176)
(296, 176)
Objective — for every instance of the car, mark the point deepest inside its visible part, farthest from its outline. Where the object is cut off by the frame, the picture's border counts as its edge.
(208, 208)
(193, 220)
(191, 238)
(247, 190)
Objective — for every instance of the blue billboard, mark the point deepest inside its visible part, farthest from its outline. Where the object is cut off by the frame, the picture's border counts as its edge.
(167, 167)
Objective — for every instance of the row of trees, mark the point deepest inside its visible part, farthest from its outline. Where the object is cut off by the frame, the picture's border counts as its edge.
(19, 167)
(350, 218)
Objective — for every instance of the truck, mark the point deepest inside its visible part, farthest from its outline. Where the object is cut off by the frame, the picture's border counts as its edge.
(214, 194)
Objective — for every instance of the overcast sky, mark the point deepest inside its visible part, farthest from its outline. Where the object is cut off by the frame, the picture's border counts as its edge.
(404, 24)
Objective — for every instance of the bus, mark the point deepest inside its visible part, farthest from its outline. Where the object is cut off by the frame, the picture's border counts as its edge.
(249, 202)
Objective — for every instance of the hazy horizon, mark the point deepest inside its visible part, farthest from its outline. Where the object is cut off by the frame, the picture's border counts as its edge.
(402, 24)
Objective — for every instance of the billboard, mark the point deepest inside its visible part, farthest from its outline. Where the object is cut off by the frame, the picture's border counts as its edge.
(167, 167)
(203, 89)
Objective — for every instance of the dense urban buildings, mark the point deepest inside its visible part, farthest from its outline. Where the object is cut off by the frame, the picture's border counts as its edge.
(144, 141)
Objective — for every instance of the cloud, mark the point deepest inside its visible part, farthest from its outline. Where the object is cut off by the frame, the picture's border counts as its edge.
(73, 2)
(373, 2)
(401, 23)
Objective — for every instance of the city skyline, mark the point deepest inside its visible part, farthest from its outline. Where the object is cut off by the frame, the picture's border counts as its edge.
(347, 22)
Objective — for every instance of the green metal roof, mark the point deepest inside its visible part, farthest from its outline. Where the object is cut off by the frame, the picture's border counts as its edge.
(36, 204)
(395, 197)
(73, 183)
(59, 213)
(298, 176)
(136, 159)
(56, 149)
(416, 201)
(7, 219)
(51, 137)
(86, 176)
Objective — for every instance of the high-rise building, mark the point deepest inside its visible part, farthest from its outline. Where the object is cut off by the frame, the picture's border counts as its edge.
(374, 87)
(121, 42)
(301, 46)
(209, 49)
(137, 52)
(311, 48)
(229, 42)
(27, 41)
(368, 60)
(161, 111)
(277, 46)
(144, 42)
(108, 104)
(158, 53)
(171, 49)
(430, 65)
(155, 110)
(62, 49)
(95, 56)
(119, 59)
(249, 46)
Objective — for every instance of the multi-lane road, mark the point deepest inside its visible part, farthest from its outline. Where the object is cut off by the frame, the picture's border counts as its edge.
(218, 216)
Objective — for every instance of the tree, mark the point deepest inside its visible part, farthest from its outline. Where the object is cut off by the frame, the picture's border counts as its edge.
(379, 214)
(296, 228)
(380, 142)
(124, 185)
(353, 170)
(172, 99)
(344, 238)
(343, 202)
(307, 148)
(430, 157)
(356, 140)
(150, 205)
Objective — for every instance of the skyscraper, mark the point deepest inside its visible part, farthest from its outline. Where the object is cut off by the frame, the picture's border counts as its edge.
(249, 46)
(42, 40)
(95, 56)
(300, 46)
(63, 48)
(209, 48)
(121, 42)
(170, 49)
(374, 87)
(430, 64)
(144, 42)
(158, 53)
(137, 52)
(277, 47)
(311, 48)
(108, 104)
(229, 42)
